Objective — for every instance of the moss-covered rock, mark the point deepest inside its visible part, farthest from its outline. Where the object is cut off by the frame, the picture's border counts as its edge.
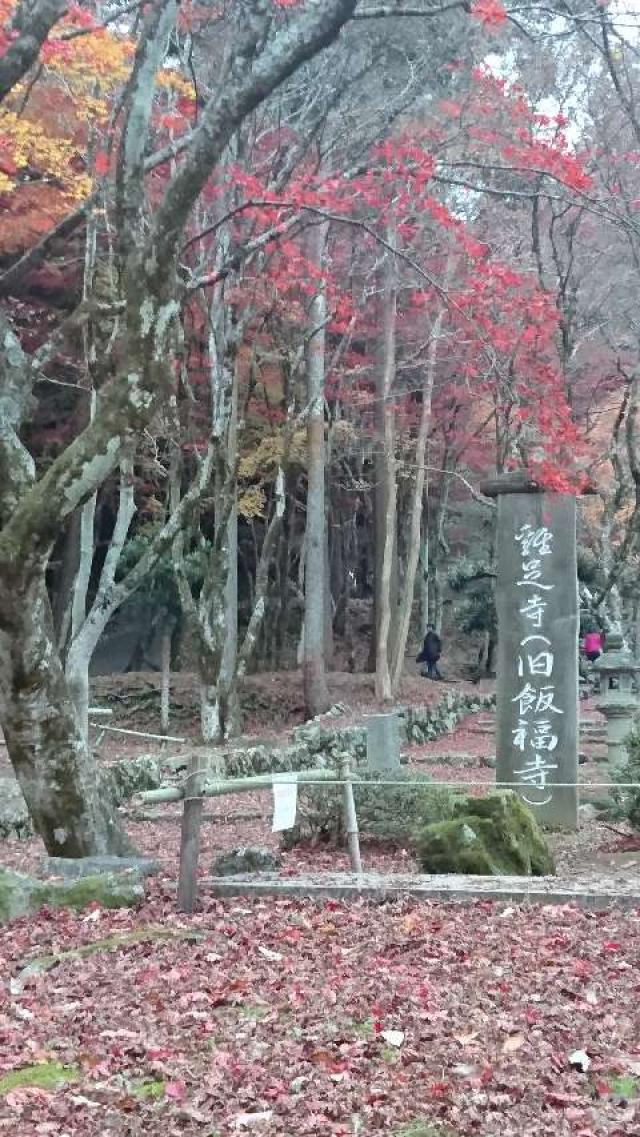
(492, 836)
(245, 860)
(117, 890)
(15, 895)
(20, 895)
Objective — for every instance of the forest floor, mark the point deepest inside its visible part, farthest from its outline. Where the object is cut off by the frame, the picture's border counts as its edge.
(291, 1018)
(287, 1018)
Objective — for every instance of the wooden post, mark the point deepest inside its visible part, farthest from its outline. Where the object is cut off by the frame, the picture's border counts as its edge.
(350, 817)
(190, 837)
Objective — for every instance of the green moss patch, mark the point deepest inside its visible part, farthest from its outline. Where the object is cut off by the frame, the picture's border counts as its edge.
(45, 1076)
(625, 1087)
(148, 1090)
(420, 1128)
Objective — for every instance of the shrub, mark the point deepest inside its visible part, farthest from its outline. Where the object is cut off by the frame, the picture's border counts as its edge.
(388, 813)
(626, 802)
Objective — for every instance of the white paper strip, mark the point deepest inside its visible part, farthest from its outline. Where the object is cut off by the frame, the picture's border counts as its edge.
(285, 802)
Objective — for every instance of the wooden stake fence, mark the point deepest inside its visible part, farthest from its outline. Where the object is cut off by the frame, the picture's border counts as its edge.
(199, 785)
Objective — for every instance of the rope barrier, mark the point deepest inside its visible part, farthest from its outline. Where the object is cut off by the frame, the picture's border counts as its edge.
(486, 785)
(405, 784)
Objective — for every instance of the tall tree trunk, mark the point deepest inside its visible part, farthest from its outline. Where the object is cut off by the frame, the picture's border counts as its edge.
(438, 547)
(424, 565)
(267, 555)
(49, 753)
(226, 694)
(384, 591)
(89, 628)
(316, 691)
(168, 626)
(63, 587)
(415, 511)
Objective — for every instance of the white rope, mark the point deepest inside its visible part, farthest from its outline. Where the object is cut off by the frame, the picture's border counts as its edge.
(453, 784)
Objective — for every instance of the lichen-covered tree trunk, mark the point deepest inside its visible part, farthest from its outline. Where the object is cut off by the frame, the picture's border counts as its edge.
(168, 626)
(228, 715)
(384, 587)
(51, 757)
(316, 691)
(415, 509)
(88, 628)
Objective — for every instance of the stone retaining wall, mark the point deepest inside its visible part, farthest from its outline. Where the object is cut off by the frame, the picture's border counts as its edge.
(321, 744)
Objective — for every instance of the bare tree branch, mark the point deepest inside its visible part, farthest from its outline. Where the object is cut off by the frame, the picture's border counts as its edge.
(32, 22)
(293, 45)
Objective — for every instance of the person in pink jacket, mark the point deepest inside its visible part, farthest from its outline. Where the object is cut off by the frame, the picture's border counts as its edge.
(593, 645)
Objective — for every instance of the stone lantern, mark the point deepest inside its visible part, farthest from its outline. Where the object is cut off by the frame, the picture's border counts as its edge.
(617, 701)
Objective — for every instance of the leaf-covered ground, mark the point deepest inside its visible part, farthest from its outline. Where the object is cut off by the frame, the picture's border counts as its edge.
(298, 1018)
(294, 1018)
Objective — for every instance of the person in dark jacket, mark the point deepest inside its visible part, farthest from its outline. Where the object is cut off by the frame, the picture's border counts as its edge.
(430, 654)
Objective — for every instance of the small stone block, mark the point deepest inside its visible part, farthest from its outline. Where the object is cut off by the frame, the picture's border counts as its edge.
(78, 867)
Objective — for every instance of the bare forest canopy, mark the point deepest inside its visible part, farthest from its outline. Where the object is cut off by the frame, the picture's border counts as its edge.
(281, 282)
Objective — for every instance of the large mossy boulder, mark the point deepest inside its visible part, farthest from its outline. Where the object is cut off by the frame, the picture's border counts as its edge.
(492, 836)
(21, 895)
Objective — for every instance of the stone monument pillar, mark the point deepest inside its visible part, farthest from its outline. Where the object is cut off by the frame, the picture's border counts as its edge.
(537, 603)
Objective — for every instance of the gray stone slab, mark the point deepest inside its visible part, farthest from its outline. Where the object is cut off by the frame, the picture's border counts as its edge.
(375, 886)
(537, 602)
(383, 742)
(74, 868)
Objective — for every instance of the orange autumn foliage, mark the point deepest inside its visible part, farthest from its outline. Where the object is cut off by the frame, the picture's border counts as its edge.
(51, 121)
